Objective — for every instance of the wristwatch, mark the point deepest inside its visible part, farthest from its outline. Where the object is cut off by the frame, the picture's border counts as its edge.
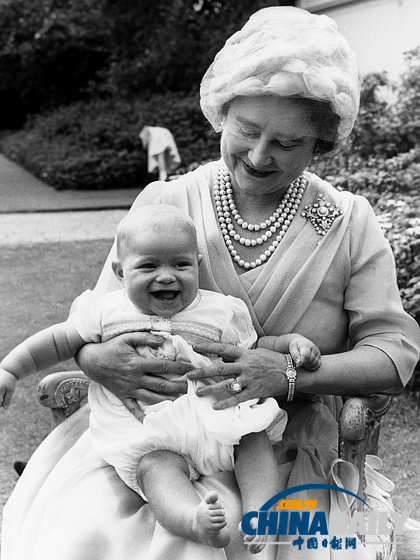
(290, 374)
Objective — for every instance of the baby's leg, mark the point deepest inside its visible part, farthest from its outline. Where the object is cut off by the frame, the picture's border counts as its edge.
(257, 475)
(165, 479)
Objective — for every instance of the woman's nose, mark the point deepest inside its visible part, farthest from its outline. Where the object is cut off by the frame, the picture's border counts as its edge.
(259, 154)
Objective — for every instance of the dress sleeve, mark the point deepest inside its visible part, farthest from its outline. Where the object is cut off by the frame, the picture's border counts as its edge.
(238, 329)
(86, 316)
(372, 299)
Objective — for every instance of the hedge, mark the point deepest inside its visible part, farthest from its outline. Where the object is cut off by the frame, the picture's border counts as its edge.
(96, 145)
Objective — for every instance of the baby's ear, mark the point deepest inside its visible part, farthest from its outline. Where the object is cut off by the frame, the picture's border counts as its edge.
(118, 271)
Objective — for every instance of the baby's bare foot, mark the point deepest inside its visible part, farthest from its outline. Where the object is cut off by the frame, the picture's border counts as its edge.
(209, 524)
(253, 542)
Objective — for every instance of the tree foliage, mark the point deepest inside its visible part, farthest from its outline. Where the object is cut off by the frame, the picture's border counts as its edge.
(169, 44)
(49, 50)
(54, 52)
(409, 98)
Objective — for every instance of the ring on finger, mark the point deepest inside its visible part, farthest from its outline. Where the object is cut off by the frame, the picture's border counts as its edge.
(235, 386)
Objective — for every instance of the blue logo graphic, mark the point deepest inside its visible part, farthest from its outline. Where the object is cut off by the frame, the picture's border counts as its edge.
(270, 503)
(294, 517)
(299, 517)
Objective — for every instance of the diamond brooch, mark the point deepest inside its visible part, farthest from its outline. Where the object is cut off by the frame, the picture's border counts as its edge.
(322, 214)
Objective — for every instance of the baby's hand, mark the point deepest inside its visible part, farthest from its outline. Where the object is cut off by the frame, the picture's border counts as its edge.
(305, 353)
(8, 384)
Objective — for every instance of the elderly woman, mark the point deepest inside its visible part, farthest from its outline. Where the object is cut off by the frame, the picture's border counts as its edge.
(304, 257)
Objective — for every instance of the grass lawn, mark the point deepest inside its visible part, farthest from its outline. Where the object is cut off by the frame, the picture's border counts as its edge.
(37, 285)
(399, 448)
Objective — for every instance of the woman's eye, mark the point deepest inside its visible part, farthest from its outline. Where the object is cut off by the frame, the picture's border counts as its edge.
(249, 133)
(285, 145)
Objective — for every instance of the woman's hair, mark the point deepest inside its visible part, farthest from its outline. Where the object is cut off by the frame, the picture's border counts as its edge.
(324, 120)
(288, 52)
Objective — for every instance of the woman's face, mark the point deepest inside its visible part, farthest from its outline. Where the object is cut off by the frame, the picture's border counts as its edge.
(266, 143)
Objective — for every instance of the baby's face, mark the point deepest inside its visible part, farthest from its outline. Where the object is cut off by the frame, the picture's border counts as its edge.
(161, 271)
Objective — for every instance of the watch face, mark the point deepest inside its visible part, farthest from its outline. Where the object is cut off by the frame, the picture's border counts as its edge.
(291, 373)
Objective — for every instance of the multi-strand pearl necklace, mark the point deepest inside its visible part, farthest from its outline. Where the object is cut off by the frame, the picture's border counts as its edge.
(276, 225)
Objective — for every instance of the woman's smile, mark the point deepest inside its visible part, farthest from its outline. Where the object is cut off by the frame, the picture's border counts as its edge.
(258, 173)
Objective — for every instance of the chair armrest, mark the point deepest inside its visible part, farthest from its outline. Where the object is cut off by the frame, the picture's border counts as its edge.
(63, 392)
(359, 426)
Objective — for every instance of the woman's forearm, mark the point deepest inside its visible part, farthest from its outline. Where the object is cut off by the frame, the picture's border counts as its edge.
(361, 371)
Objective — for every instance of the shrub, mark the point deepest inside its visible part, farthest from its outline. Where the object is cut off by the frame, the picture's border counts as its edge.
(82, 146)
(96, 145)
(377, 131)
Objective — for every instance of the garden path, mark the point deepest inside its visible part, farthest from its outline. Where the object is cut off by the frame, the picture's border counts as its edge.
(33, 212)
(50, 227)
(21, 192)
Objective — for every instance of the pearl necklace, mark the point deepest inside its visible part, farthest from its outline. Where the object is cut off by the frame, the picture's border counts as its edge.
(279, 221)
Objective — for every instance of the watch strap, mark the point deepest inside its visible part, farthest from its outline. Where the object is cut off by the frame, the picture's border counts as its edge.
(291, 374)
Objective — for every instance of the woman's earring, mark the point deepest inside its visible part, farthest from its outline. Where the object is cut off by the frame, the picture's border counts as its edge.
(315, 157)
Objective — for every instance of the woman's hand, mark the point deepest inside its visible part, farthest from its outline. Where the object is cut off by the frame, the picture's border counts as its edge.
(116, 365)
(259, 371)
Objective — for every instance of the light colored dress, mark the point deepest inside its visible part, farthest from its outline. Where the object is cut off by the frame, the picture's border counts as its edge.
(161, 149)
(338, 290)
(189, 425)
